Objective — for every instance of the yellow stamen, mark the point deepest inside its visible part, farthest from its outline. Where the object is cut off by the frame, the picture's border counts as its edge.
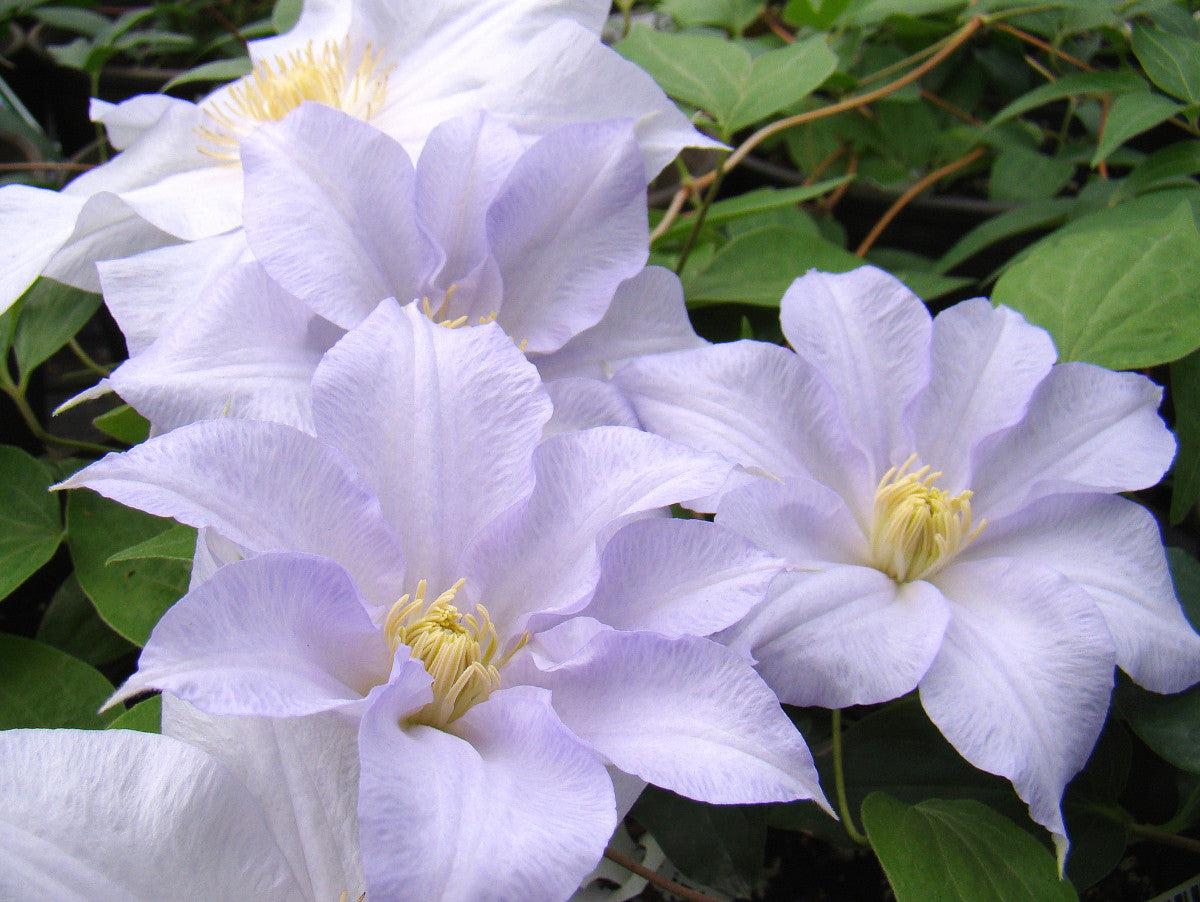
(459, 651)
(275, 87)
(917, 528)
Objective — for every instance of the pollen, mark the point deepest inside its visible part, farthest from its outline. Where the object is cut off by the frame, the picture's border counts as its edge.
(276, 86)
(460, 652)
(917, 527)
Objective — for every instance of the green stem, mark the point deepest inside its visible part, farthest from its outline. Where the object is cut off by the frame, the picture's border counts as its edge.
(709, 197)
(85, 358)
(839, 780)
(17, 394)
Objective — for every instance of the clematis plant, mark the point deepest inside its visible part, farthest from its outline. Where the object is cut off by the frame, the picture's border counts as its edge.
(338, 218)
(117, 815)
(404, 67)
(944, 496)
(427, 566)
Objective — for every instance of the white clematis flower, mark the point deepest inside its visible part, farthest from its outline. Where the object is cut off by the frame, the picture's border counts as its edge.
(944, 495)
(120, 816)
(403, 66)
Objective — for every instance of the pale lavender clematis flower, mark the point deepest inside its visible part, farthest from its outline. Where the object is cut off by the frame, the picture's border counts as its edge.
(115, 815)
(402, 66)
(421, 565)
(944, 496)
(549, 241)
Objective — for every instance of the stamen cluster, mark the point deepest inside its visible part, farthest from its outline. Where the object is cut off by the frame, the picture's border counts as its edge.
(459, 651)
(917, 527)
(277, 86)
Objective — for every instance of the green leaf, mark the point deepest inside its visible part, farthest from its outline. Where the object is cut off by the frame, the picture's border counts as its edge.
(698, 69)
(1022, 174)
(30, 523)
(721, 78)
(72, 625)
(1070, 86)
(1176, 161)
(1123, 298)
(819, 15)
(145, 717)
(1185, 394)
(1130, 115)
(124, 424)
(178, 543)
(959, 851)
(217, 70)
(285, 15)
(758, 266)
(1171, 61)
(131, 596)
(720, 846)
(51, 314)
(41, 686)
(1027, 218)
(79, 21)
(781, 78)
(733, 15)
(760, 200)
(872, 12)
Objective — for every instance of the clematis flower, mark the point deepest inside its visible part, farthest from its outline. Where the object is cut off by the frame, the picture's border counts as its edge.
(338, 218)
(944, 496)
(404, 67)
(426, 565)
(100, 815)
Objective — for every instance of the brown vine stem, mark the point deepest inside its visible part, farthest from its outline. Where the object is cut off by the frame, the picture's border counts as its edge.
(1042, 45)
(657, 879)
(60, 167)
(1163, 838)
(951, 44)
(912, 192)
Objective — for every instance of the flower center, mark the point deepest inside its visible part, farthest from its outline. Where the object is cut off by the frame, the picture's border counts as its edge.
(439, 316)
(277, 86)
(917, 528)
(459, 651)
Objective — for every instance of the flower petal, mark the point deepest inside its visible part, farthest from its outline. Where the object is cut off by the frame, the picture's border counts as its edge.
(278, 634)
(1111, 548)
(679, 578)
(1022, 682)
(685, 714)
(800, 520)
(461, 169)
(869, 337)
(566, 75)
(105, 228)
(581, 403)
(563, 253)
(304, 771)
(647, 316)
(145, 291)
(247, 350)
(508, 806)
(843, 636)
(264, 486)
(1087, 430)
(119, 815)
(442, 422)
(756, 403)
(35, 224)
(986, 363)
(314, 216)
(544, 555)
